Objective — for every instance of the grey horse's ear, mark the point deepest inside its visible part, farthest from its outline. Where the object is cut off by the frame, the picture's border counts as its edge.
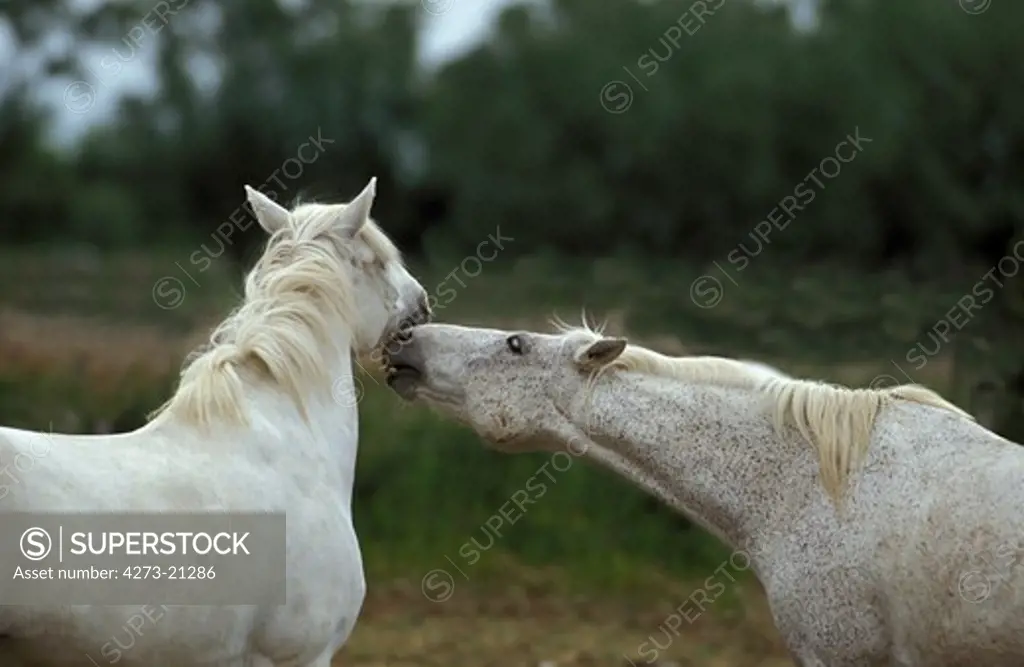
(356, 212)
(600, 353)
(271, 215)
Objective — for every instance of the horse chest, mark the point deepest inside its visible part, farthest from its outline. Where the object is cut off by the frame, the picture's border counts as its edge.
(326, 589)
(327, 575)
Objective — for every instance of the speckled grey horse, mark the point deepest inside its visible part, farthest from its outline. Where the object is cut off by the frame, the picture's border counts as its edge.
(885, 525)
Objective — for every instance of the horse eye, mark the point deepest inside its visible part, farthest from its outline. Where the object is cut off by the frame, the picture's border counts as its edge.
(515, 343)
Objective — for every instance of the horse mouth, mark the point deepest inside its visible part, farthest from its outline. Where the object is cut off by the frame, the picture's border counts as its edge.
(403, 380)
(398, 370)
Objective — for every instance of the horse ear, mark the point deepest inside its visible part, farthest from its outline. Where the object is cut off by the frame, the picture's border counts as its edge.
(600, 353)
(271, 215)
(357, 211)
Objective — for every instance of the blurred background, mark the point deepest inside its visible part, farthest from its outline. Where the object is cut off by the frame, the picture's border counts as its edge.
(831, 187)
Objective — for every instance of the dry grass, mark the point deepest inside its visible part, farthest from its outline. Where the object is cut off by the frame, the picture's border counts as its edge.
(401, 628)
(69, 341)
(62, 341)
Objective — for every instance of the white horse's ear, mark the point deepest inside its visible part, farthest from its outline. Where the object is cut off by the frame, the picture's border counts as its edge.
(600, 353)
(271, 215)
(357, 211)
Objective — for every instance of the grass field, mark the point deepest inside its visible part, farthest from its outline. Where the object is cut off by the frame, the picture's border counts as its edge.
(587, 576)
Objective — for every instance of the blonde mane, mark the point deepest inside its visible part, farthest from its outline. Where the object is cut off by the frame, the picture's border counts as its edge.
(837, 421)
(282, 325)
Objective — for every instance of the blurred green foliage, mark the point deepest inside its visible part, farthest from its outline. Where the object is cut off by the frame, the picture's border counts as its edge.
(729, 120)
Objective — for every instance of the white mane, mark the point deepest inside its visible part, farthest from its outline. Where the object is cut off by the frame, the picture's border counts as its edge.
(836, 420)
(283, 323)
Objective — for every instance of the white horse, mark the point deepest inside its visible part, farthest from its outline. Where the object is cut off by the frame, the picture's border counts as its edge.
(885, 525)
(262, 421)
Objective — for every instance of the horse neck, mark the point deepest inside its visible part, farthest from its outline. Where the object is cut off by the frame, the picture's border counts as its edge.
(325, 439)
(710, 452)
